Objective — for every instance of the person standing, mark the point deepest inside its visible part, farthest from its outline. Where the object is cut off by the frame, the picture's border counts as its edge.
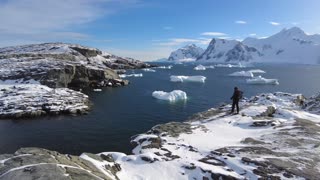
(237, 95)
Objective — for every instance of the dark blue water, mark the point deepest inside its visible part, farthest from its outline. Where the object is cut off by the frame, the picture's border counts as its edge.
(119, 113)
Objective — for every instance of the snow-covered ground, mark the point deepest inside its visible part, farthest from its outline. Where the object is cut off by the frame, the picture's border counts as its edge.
(273, 137)
(200, 79)
(30, 100)
(174, 95)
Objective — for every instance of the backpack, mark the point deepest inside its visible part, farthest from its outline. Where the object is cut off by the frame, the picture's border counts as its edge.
(240, 95)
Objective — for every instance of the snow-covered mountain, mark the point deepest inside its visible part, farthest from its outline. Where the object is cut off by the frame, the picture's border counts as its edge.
(187, 53)
(221, 50)
(289, 45)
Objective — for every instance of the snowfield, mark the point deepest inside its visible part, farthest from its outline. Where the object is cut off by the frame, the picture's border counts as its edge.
(170, 96)
(200, 79)
(261, 80)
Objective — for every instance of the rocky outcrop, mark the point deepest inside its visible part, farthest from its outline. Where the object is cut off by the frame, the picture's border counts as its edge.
(27, 101)
(63, 65)
(36, 163)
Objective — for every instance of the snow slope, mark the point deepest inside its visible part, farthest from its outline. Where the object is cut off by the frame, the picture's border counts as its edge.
(186, 53)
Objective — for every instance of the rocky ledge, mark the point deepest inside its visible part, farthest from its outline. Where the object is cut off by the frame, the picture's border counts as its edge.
(64, 65)
(275, 136)
(31, 100)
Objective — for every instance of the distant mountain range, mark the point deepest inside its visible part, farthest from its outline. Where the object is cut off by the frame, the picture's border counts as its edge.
(289, 45)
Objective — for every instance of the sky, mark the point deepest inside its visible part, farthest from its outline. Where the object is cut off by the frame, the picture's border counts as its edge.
(150, 29)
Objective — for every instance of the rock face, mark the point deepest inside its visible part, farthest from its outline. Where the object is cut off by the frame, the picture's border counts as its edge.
(36, 163)
(221, 50)
(63, 65)
(187, 53)
(288, 46)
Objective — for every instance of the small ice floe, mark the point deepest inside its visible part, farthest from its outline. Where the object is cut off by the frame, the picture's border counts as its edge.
(200, 79)
(200, 68)
(210, 67)
(148, 70)
(165, 67)
(262, 80)
(170, 96)
(130, 75)
(97, 90)
(239, 65)
(258, 71)
(242, 74)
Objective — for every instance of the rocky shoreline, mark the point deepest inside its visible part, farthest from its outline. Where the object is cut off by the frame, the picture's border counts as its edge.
(49, 69)
(275, 136)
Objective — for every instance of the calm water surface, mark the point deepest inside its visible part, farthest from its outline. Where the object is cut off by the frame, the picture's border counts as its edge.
(119, 113)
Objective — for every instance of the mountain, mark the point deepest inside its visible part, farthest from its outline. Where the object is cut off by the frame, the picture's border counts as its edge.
(221, 50)
(289, 45)
(187, 53)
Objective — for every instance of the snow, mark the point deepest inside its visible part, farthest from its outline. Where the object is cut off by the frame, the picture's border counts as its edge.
(188, 53)
(242, 74)
(130, 75)
(200, 79)
(170, 96)
(262, 80)
(200, 68)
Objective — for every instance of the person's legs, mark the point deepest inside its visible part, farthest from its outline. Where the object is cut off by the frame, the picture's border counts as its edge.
(237, 107)
(233, 106)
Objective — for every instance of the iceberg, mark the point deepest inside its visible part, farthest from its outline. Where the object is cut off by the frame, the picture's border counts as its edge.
(130, 75)
(231, 65)
(200, 79)
(200, 68)
(262, 80)
(165, 67)
(170, 96)
(257, 71)
(242, 74)
(97, 90)
(148, 70)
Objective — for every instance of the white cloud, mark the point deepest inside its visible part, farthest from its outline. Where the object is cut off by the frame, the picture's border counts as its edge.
(253, 34)
(144, 55)
(167, 28)
(39, 20)
(240, 22)
(274, 23)
(213, 34)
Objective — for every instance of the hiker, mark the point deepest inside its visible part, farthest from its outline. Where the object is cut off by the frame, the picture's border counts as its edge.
(237, 95)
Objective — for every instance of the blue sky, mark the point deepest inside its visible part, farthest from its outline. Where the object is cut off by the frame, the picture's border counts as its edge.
(150, 29)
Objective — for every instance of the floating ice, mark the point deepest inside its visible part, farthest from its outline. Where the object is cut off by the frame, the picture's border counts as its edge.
(262, 80)
(170, 96)
(188, 79)
(165, 67)
(97, 90)
(148, 70)
(200, 68)
(257, 71)
(242, 74)
(231, 65)
(210, 67)
(130, 75)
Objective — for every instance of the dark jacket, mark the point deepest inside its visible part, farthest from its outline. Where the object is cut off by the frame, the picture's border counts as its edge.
(236, 95)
